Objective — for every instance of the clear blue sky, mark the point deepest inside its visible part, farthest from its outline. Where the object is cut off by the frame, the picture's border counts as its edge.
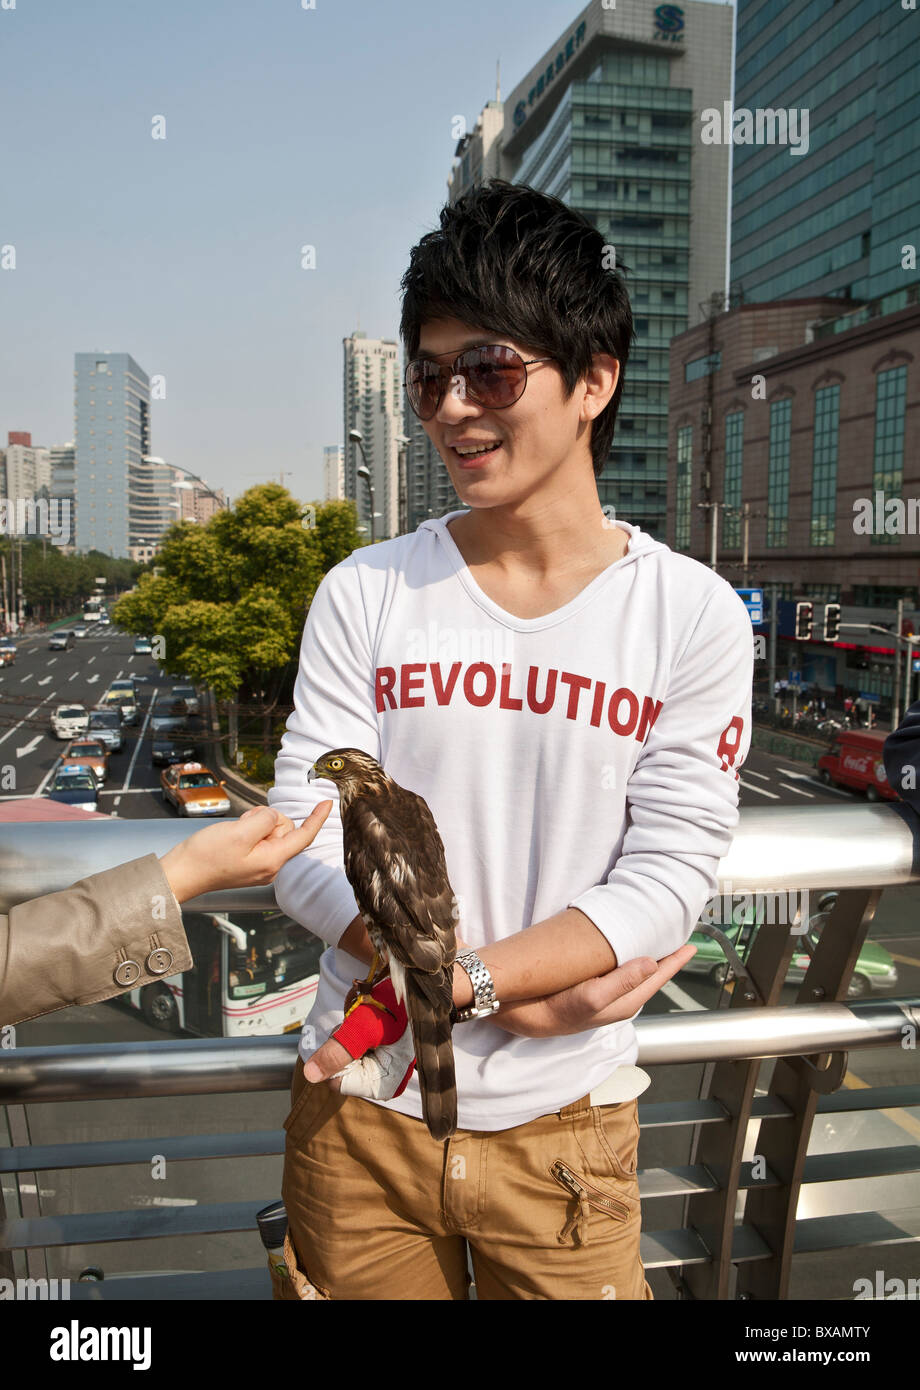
(284, 126)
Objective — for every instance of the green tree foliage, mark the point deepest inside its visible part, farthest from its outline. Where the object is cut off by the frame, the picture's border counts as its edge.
(229, 598)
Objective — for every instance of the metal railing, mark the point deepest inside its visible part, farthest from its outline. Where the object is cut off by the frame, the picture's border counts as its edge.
(854, 850)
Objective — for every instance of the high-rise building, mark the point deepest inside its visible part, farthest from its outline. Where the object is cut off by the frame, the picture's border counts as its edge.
(477, 157)
(27, 468)
(118, 508)
(333, 472)
(838, 211)
(609, 121)
(63, 459)
(373, 408)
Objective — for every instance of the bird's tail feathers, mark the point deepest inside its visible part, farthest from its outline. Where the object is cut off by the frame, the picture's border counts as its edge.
(428, 1004)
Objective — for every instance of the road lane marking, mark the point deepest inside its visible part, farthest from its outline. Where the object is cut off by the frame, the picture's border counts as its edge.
(684, 1002)
(762, 791)
(762, 775)
(25, 719)
(798, 791)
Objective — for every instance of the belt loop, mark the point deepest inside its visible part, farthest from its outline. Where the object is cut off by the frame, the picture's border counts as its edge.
(578, 1107)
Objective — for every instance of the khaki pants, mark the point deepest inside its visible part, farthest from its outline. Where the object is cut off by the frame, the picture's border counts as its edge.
(377, 1209)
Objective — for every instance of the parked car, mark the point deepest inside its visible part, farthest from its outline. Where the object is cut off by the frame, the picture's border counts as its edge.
(875, 968)
(194, 790)
(91, 753)
(142, 646)
(80, 630)
(176, 736)
(124, 699)
(69, 721)
(60, 641)
(105, 725)
(76, 786)
(855, 760)
(189, 694)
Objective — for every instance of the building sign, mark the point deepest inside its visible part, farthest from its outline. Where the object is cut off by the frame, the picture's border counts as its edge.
(572, 43)
(669, 24)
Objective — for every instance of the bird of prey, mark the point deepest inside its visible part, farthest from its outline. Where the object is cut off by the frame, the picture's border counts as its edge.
(394, 861)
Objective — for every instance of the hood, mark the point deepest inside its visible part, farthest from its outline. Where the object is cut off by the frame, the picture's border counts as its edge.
(639, 542)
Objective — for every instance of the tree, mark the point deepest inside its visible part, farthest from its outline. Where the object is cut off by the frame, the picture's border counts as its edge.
(228, 599)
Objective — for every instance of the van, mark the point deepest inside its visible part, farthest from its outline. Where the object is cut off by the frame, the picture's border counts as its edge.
(855, 760)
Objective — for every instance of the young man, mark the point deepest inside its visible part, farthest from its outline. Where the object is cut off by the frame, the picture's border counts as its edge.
(572, 699)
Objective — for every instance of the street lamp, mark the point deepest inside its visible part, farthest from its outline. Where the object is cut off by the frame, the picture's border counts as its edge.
(153, 458)
(365, 473)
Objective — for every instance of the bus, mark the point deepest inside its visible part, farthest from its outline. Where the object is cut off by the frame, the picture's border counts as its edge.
(92, 610)
(255, 974)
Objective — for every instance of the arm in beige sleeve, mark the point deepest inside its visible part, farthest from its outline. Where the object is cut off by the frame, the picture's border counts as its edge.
(77, 946)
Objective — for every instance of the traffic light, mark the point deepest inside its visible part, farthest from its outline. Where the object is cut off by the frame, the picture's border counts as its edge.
(831, 622)
(804, 613)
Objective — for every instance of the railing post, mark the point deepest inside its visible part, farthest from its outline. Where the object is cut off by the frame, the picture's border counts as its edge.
(719, 1148)
(798, 1081)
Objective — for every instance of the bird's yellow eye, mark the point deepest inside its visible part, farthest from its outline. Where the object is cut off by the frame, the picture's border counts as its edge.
(336, 763)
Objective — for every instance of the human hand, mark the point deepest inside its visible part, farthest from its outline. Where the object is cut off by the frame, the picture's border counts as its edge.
(239, 853)
(371, 1053)
(610, 998)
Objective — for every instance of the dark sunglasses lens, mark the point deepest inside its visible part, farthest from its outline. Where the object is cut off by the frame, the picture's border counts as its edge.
(495, 376)
(423, 387)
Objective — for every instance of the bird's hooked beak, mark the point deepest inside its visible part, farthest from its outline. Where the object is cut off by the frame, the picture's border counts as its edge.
(311, 775)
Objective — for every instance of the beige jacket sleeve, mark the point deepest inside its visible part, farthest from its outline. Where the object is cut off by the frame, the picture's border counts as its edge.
(108, 933)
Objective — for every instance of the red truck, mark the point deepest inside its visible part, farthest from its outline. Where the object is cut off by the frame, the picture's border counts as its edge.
(854, 760)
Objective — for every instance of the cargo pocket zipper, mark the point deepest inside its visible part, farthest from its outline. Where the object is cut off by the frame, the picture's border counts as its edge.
(586, 1197)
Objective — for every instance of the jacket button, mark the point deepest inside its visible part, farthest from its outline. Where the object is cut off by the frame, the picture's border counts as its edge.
(158, 962)
(127, 972)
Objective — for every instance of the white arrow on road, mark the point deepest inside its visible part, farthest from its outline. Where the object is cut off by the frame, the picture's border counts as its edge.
(28, 748)
(45, 680)
(91, 680)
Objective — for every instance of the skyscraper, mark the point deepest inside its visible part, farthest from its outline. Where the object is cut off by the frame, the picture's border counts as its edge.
(117, 509)
(373, 407)
(841, 216)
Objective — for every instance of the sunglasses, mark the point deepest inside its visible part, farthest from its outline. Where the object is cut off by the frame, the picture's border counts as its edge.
(493, 375)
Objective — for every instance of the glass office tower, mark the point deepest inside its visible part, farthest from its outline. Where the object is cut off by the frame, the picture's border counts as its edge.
(842, 217)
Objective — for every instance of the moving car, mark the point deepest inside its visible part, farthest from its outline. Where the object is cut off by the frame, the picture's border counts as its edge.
(75, 786)
(142, 646)
(104, 619)
(91, 753)
(855, 760)
(189, 694)
(105, 725)
(69, 721)
(60, 641)
(194, 790)
(80, 630)
(875, 969)
(122, 698)
(7, 652)
(176, 736)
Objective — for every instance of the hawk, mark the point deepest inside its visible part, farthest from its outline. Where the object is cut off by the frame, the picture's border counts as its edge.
(394, 861)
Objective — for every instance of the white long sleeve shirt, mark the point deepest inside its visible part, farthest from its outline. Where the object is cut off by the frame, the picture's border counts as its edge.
(587, 758)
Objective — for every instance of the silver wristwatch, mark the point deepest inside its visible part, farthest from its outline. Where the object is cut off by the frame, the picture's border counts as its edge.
(484, 1001)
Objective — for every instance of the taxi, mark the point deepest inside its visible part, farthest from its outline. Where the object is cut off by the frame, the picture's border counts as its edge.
(88, 752)
(194, 790)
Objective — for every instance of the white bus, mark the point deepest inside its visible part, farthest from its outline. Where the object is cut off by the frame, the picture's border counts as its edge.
(255, 974)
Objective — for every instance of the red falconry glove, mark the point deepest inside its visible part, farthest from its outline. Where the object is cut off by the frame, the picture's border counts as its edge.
(377, 1025)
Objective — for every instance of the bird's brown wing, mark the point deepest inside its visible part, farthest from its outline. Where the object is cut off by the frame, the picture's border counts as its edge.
(395, 863)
